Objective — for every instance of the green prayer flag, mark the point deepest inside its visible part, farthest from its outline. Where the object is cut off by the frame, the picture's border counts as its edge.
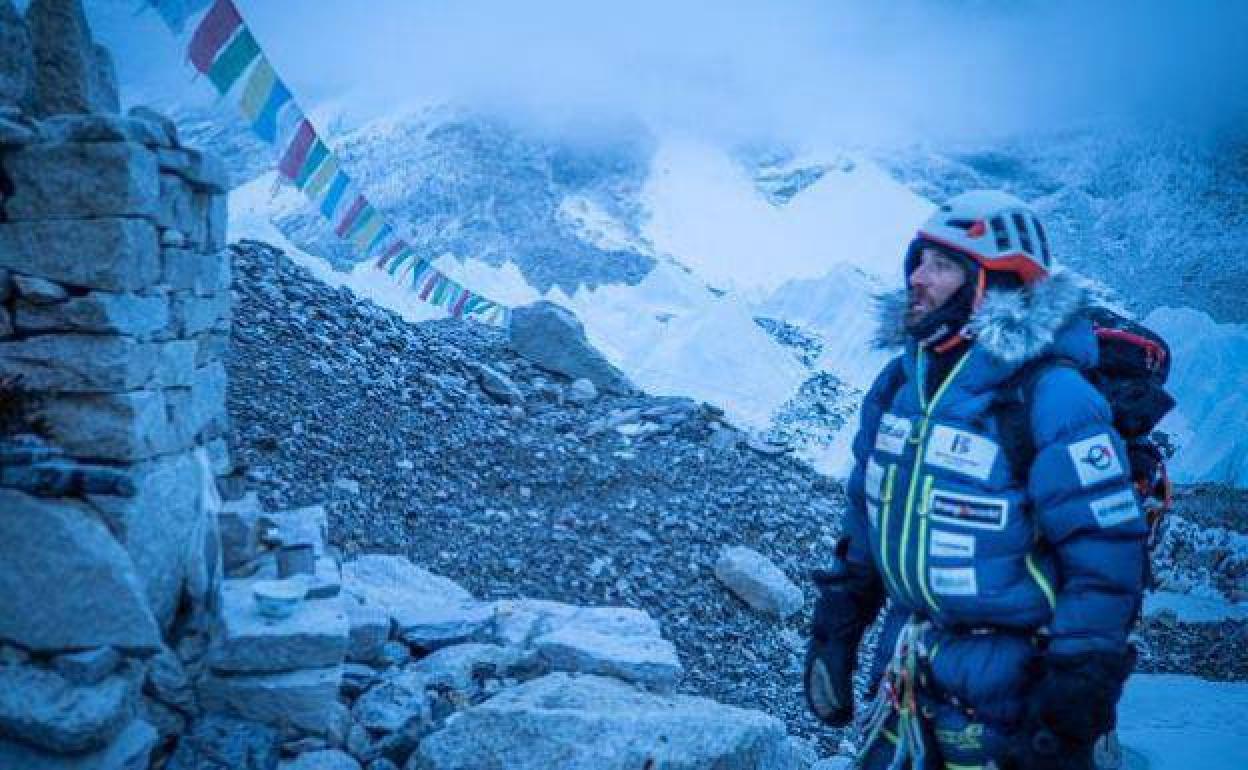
(234, 60)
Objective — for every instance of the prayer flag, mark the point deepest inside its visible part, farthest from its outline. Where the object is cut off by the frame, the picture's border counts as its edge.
(297, 152)
(319, 180)
(332, 198)
(217, 26)
(234, 60)
(317, 156)
(357, 206)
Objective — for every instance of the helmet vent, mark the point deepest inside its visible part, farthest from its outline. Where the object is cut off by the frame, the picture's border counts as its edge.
(1044, 242)
(1024, 237)
(1000, 233)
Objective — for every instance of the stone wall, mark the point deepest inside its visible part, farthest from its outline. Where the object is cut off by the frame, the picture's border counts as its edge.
(114, 318)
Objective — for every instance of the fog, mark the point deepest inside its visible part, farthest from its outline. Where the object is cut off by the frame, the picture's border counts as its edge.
(799, 71)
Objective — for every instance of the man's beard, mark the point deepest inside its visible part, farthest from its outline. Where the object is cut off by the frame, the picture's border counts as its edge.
(919, 305)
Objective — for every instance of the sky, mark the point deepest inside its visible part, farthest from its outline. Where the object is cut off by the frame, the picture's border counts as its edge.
(797, 70)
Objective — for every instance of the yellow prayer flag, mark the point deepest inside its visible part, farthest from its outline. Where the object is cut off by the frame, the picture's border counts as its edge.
(369, 231)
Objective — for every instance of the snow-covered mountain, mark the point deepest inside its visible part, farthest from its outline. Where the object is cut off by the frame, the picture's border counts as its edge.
(668, 246)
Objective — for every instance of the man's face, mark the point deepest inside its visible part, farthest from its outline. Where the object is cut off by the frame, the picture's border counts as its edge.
(933, 282)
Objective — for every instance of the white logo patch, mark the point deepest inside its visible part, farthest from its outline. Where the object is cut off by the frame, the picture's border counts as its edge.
(1095, 459)
(951, 545)
(969, 510)
(1115, 509)
(961, 451)
(953, 581)
(874, 479)
(892, 434)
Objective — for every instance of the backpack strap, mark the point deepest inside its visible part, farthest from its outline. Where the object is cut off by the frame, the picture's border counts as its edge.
(1012, 409)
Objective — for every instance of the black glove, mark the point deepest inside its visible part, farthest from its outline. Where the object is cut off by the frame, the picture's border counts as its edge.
(1072, 705)
(848, 602)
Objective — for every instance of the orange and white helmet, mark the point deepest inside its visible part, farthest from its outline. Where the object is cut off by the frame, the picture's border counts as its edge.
(995, 229)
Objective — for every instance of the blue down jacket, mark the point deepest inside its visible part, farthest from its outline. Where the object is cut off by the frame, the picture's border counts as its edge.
(936, 512)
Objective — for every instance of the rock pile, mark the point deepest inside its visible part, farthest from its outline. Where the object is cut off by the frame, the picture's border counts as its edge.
(389, 665)
(610, 500)
(114, 313)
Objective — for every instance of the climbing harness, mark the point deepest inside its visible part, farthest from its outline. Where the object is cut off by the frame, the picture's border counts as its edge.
(898, 693)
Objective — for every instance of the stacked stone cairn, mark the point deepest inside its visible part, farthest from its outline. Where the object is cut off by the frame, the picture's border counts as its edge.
(114, 315)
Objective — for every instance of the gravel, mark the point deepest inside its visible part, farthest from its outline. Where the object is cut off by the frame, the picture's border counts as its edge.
(618, 501)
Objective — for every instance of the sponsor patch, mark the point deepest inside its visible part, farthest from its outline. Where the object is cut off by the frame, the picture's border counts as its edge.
(1095, 459)
(969, 510)
(892, 434)
(874, 479)
(951, 545)
(1115, 509)
(960, 451)
(953, 581)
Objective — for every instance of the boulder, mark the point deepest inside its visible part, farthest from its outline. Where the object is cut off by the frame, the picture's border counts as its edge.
(114, 254)
(595, 723)
(581, 391)
(44, 709)
(427, 609)
(217, 742)
(131, 750)
(757, 581)
(395, 702)
(67, 77)
(552, 337)
(315, 634)
(82, 180)
(65, 583)
(17, 58)
(306, 700)
(329, 759)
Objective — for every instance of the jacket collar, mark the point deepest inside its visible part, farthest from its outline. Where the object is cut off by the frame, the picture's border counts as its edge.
(1011, 328)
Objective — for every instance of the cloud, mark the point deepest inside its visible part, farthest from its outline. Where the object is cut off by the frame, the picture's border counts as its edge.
(860, 72)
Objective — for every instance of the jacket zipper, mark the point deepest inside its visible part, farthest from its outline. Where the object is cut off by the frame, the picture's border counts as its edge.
(919, 439)
(886, 506)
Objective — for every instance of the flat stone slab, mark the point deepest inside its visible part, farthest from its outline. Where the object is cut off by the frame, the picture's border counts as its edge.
(113, 254)
(648, 660)
(131, 750)
(77, 180)
(428, 609)
(307, 700)
(595, 723)
(368, 629)
(314, 635)
(758, 582)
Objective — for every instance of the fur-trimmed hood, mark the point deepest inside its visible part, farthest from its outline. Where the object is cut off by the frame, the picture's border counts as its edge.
(1011, 326)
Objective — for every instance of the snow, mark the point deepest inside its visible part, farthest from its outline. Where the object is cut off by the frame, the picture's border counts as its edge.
(706, 210)
(1182, 722)
(1209, 380)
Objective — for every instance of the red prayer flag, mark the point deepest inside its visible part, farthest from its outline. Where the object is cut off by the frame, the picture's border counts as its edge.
(297, 153)
(349, 219)
(217, 26)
